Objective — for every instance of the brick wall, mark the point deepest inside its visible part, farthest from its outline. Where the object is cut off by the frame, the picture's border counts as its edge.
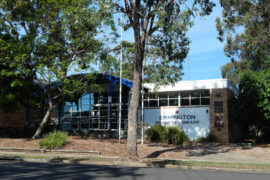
(12, 119)
(20, 118)
(219, 120)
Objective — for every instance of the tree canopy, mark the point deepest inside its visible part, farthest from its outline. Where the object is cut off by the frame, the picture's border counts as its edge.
(245, 27)
(50, 40)
(18, 32)
(161, 25)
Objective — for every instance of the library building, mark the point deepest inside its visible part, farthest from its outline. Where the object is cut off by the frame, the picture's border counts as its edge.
(200, 108)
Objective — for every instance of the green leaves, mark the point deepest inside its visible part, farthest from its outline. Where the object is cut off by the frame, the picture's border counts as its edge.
(245, 25)
(253, 102)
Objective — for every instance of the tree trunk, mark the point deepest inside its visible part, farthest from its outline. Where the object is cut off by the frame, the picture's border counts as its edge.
(135, 97)
(43, 122)
(133, 114)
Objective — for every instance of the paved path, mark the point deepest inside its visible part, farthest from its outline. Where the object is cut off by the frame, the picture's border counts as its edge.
(30, 170)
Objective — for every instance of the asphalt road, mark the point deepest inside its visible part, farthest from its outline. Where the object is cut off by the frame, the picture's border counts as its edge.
(51, 171)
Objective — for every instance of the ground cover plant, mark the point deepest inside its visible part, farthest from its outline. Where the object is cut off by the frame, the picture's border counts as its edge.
(54, 140)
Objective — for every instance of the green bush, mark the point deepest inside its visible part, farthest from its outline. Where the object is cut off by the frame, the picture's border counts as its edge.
(170, 135)
(175, 136)
(156, 133)
(54, 140)
(208, 138)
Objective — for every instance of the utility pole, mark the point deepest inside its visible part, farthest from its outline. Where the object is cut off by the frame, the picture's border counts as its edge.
(188, 70)
(142, 108)
(120, 82)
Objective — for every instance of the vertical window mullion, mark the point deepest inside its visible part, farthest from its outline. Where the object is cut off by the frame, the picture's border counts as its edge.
(158, 101)
(189, 99)
(179, 99)
(200, 99)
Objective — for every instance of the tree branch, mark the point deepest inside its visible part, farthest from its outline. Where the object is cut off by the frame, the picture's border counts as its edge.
(25, 29)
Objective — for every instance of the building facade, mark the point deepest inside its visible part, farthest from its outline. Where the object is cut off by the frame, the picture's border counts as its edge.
(199, 107)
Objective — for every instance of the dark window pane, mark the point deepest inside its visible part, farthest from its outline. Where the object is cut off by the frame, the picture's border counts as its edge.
(184, 94)
(205, 101)
(153, 96)
(195, 101)
(145, 103)
(184, 102)
(125, 100)
(163, 96)
(163, 102)
(153, 103)
(173, 95)
(115, 100)
(195, 94)
(173, 102)
(85, 113)
(146, 96)
(205, 94)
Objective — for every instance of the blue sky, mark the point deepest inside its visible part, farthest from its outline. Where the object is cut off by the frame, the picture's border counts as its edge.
(206, 53)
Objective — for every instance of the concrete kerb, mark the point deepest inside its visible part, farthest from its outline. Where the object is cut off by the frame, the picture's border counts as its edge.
(47, 150)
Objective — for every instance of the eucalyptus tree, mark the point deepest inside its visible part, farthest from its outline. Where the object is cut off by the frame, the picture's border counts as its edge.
(161, 24)
(18, 32)
(244, 26)
(111, 64)
(56, 38)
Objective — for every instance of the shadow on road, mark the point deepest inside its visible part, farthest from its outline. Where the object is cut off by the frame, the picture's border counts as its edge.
(49, 171)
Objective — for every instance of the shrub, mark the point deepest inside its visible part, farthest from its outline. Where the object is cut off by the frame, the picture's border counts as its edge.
(54, 140)
(208, 138)
(175, 136)
(170, 135)
(156, 133)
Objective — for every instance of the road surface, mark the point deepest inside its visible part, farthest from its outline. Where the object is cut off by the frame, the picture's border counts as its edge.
(50, 171)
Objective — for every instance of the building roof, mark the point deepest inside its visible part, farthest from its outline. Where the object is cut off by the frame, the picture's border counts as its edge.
(194, 85)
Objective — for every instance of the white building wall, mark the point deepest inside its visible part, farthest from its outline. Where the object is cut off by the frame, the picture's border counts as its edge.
(195, 121)
(193, 85)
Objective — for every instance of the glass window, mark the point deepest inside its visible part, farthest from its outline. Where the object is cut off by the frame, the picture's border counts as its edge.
(153, 103)
(173, 102)
(195, 94)
(184, 102)
(163, 96)
(146, 103)
(163, 102)
(146, 96)
(195, 101)
(205, 101)
(185, 95)
(173, 95)
(205, 93)
(153, 96)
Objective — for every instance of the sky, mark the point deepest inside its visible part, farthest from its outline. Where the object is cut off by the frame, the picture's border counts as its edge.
(206, 55)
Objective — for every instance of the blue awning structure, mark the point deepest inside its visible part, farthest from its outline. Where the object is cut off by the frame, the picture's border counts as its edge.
(116, 79)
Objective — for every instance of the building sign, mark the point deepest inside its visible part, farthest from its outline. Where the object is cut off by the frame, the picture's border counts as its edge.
(194, 121)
